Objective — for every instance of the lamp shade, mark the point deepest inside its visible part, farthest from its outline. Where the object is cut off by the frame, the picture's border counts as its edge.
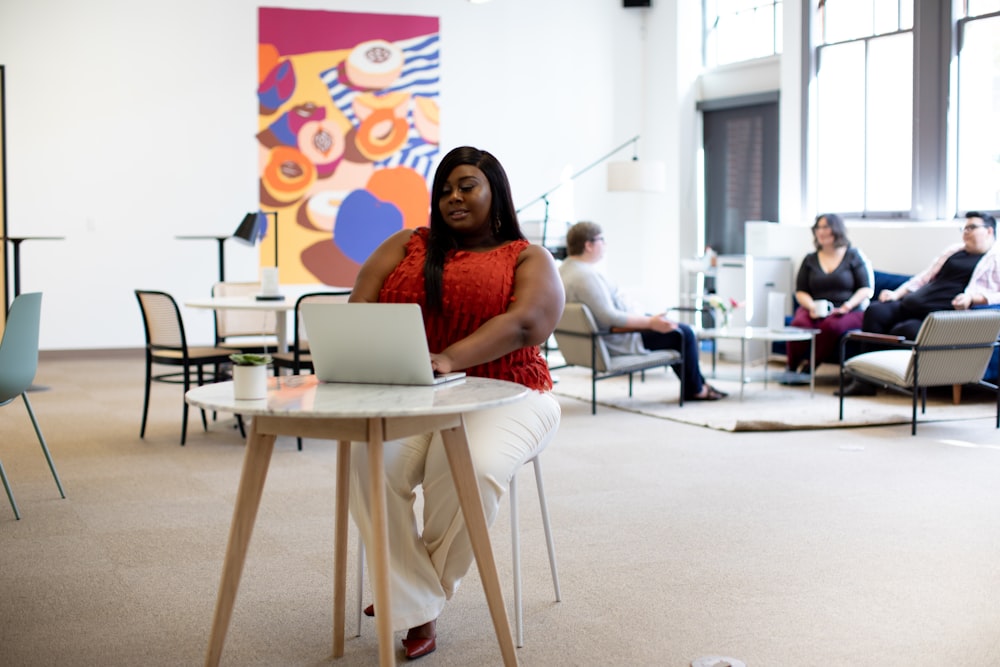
(637, 176)
(250, 230)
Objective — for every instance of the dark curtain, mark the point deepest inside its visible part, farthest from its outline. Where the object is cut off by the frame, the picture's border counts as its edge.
(741, 172)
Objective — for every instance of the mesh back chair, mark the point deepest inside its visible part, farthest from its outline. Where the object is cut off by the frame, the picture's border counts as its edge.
(244, 330)
(166, 344)
(582, 344)
(18, 365)
(952, 347)
(515, 540)
(298, 358)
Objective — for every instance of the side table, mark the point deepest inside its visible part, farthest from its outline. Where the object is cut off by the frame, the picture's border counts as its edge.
(744, 334)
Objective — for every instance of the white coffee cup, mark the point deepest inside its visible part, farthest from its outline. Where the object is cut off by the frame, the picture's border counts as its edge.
(822, 307)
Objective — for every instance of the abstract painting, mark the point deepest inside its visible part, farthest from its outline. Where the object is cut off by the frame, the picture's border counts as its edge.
(348, 135)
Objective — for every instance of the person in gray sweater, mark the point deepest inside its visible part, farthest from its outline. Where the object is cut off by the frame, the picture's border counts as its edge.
(585, 284)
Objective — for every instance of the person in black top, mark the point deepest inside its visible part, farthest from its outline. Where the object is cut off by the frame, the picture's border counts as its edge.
(838, 273)
(966, 274)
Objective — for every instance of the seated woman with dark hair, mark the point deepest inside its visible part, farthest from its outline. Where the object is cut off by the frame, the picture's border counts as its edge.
(836, 273)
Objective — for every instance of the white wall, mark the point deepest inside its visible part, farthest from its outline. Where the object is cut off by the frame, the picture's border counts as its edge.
(131, 122)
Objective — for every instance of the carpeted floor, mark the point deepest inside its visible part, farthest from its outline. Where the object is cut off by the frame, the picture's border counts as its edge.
(775, 407)
(835, 548)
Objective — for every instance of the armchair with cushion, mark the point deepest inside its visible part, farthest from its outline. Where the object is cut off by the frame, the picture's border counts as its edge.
(891, 281)
(581, 343)
(951, 348)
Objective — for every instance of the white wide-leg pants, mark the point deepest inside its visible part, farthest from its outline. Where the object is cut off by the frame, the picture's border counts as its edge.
(425, 569)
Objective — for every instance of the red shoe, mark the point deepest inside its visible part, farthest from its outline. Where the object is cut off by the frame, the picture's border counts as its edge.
(416, 646)
(419, 647)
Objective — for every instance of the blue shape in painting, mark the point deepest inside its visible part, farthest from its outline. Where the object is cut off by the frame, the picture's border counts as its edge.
(363, 222)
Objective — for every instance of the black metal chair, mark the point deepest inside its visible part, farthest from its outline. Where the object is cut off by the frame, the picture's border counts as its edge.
(166, 344)
(297, 358)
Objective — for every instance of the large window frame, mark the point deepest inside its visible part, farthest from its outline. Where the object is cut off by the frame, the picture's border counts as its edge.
(940, 189)
(977, 112)
(865, 76)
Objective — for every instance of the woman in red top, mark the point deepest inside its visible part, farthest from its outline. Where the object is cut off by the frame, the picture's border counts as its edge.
(489, 299)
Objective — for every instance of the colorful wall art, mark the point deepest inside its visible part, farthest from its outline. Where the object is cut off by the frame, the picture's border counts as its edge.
(348, 136)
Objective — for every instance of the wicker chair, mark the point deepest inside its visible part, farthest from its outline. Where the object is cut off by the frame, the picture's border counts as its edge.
(166, 344)
(244, 330)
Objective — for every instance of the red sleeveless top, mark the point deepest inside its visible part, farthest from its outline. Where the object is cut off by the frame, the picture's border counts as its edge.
(476, 286)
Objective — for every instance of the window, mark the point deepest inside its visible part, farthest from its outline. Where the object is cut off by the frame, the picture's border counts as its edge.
(864, 127)
(738, 30)
(978, 144)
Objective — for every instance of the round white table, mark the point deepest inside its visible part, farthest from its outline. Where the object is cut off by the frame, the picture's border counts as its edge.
(280, 308)
(301, 406)
(744, 334)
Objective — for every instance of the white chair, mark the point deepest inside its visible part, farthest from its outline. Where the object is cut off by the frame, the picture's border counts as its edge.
(515, 547)
(952, 347)
(244, 330)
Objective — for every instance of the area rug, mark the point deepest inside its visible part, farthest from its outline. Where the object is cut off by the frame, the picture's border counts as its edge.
(776, 407)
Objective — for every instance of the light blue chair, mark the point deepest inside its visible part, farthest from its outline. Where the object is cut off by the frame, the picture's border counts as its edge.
(18, 365)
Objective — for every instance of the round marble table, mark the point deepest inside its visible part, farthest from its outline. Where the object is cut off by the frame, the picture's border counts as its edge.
(301, 406)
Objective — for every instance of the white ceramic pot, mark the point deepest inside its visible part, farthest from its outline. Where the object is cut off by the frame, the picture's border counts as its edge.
(249, 382)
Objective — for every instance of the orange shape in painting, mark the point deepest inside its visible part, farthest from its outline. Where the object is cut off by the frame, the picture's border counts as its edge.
(381, 134)
(426, 118)
(404, 188)
(267, 58)
(288, 174)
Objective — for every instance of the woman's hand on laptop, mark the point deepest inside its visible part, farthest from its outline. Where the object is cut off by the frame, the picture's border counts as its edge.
(441, 364)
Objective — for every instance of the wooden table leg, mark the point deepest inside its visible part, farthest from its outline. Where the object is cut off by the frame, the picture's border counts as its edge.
(457, 448)
(380, 534)
(340, 545)
(255, 464)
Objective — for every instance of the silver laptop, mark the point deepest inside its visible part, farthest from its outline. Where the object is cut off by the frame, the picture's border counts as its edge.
(370, 343)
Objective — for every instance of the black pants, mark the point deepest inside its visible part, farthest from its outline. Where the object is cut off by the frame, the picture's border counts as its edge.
(893, 318)
(684, 340)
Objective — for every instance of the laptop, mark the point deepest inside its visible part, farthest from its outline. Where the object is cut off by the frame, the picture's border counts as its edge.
(370, 343)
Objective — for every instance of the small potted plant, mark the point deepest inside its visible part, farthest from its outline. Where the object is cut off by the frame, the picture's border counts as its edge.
(250, 375)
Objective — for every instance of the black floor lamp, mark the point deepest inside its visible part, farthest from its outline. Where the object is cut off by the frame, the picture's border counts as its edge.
(630, 176)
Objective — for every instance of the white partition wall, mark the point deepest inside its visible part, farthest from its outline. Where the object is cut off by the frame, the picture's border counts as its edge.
(893, 247)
